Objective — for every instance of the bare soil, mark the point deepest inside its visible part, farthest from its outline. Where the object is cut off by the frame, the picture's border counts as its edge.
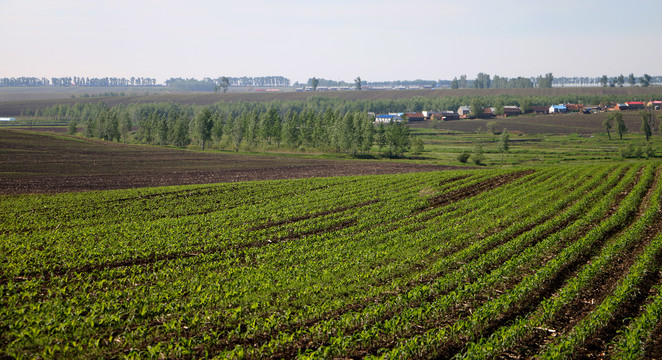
(46, 163)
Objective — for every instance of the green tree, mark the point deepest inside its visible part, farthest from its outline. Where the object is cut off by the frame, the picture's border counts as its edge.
(545, 81)
(504, 143)
(632, 80)
(397, 138)
(238, 129)
(476, 106)
(357, 83)
(163, 131)
(125, 125)
(620, 80)
(604, 81)
(202, 125)
(498, 107)
(482, 81)
(617, 118)
(645, 80)
(314, 82)
(525, 105)
(478, 156)
(223, 83)
(455, 84)
(463, 81)
(646, 123)
(381, 136)
(217, 129)
(72, 128)
(290, 132)
(367, 131)
(491, 126)
(608, 124)
(180, 136)
(417, 146)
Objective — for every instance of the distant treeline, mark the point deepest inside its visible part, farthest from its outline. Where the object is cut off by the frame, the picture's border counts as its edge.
(209, 84)
(265, 126)
(340, 83)
(77, 81)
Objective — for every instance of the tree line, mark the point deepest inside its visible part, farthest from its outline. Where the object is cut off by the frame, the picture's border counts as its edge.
(320, 104)
(77, 81)
(235, 128)
(484, 81)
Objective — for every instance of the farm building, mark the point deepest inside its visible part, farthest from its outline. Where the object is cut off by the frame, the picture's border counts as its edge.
(635, 105)
(621, 107)
(387, 118)
(511, 110)
(558, 109)
(463, 110)
(418, 116)
(657, 105)
(7, 119)
(449, 115)
(574, 107)
(540, 109)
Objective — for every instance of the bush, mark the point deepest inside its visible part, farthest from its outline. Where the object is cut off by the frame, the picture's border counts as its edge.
(649, 151)
(478, 156)
(464, 157)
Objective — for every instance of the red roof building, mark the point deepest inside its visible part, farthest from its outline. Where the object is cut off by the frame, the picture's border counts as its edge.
(635, 105)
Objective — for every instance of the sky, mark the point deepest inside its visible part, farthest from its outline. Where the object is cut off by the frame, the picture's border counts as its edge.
(339, 40)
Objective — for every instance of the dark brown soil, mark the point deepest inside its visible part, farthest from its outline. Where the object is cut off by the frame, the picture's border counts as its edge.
(41, 163)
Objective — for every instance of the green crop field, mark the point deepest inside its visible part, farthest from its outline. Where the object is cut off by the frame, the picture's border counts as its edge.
(546, 262)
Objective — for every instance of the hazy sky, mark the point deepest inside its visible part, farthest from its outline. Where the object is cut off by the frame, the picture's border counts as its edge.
(332, 39)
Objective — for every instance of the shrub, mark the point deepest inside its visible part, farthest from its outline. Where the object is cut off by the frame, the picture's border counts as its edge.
(464, 157)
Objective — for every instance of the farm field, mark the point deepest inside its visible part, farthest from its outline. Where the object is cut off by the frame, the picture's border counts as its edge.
(15, 100)
(43, 162)
(556, 261)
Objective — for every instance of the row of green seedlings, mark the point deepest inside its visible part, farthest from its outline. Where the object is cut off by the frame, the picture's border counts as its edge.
(457, 280)
(473, 325)
(137, 305)
(27, 212)
(454, 287)
(634, 341)
(627, 288)
(66, 245)
(24, 294)
(508, 337)
(400, 300)
(403, 240)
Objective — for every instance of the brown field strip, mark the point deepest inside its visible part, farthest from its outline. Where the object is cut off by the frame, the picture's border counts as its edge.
(40, 163)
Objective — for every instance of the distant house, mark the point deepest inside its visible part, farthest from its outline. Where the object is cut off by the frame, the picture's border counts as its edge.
(656, 105)
(574, 107)
(621, 107)
(463, 110)
(7, 119)
(418, 116)
(540, 109)
(635, 105)
(449, 115)
(387, 118)
(511, 111)
(558, 109)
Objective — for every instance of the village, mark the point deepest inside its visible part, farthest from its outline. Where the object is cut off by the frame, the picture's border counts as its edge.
(465, 112)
